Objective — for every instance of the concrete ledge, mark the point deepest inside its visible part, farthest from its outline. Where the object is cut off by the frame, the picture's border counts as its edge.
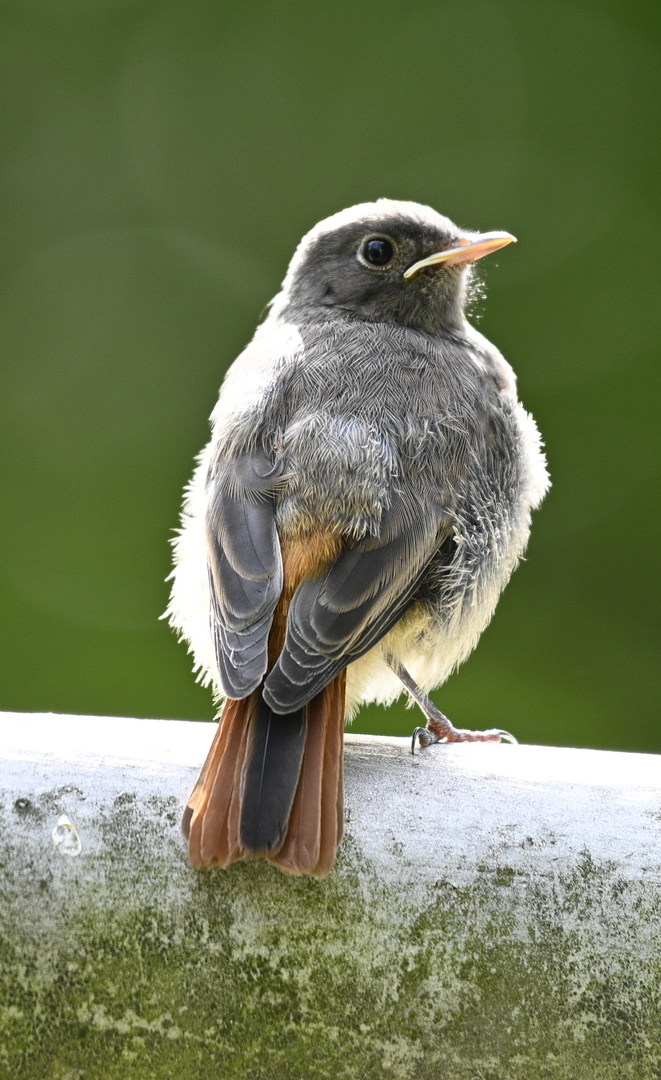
(495, 913)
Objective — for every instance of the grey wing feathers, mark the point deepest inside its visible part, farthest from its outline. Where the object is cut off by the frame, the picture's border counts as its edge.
(245, 566)
(335, 619)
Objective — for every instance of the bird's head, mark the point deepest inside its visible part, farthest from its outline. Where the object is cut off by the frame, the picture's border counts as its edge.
(387, 261)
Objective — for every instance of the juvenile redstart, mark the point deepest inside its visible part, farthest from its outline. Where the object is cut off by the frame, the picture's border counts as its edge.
(364, 499)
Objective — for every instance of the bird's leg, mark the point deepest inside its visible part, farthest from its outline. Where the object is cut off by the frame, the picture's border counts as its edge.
(439, 728)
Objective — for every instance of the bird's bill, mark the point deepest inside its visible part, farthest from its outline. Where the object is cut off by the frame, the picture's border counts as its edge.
(466, 250)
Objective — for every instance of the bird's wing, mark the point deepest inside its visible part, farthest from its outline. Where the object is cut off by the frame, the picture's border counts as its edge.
(245, 566)
(336, 618)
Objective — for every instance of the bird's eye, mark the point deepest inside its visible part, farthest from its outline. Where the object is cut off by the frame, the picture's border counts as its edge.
(378, 251)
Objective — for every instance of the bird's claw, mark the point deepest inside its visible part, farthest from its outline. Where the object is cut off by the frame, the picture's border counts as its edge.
(424, 736)
(503, 736)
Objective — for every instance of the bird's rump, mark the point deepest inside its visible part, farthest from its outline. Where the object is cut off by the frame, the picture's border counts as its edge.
(336, 617)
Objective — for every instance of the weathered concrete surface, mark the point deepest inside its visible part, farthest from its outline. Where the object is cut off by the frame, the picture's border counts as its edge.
(495, 913)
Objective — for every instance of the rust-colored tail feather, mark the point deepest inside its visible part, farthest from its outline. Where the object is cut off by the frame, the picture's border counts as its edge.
(209, 824)
(212, 820)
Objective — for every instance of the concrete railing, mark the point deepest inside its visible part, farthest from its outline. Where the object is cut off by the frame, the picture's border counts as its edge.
(494, 912)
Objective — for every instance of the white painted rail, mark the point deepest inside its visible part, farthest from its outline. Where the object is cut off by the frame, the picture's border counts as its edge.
(495, 911)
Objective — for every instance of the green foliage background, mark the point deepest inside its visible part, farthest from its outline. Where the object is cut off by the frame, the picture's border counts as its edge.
(160, 161)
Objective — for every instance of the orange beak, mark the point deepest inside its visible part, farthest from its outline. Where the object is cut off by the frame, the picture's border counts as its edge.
(467, 249)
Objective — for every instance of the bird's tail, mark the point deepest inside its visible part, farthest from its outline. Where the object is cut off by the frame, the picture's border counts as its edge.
(272, 786)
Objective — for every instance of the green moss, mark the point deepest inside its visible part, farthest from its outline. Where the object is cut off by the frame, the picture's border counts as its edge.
(152, 971)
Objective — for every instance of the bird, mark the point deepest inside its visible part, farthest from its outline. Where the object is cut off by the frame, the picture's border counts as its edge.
(364, 498)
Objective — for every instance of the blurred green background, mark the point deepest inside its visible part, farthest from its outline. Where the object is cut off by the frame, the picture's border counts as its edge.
(160, 161)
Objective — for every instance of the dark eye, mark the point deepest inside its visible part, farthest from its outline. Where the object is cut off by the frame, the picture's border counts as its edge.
(378, 251)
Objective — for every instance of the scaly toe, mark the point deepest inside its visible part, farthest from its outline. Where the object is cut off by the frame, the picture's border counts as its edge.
(490, 735)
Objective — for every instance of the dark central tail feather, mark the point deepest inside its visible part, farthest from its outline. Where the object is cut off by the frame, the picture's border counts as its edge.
(274, 754)
(271, 786)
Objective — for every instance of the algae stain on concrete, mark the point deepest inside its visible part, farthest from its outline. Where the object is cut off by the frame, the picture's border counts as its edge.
(258, 976)
(129, 965)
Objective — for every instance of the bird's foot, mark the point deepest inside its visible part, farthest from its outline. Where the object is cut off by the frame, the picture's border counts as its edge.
(439, 729)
